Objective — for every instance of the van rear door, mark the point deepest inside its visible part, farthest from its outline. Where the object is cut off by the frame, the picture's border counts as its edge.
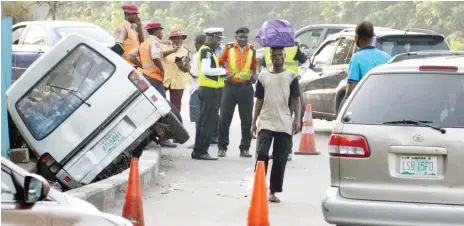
(69, 94)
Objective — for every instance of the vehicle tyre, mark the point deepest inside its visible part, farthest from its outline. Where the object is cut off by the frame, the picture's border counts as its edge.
(175, 111)
(176, 129)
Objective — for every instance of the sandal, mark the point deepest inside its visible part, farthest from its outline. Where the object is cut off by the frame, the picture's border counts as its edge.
(274, 199)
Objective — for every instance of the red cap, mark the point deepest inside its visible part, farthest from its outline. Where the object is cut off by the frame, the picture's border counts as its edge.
(130, 9)
(153, 25)
(176, 32)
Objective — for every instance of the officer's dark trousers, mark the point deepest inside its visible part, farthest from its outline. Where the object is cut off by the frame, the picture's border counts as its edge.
(210, 99)
(282, 143)
(240, 94)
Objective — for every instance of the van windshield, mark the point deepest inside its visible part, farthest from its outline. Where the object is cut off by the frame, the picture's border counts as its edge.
(63, 90)
(434, 98)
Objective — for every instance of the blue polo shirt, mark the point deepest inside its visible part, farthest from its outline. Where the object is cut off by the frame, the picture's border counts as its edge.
(364, 60)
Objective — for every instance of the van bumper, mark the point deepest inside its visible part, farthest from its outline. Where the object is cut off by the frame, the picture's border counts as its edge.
(342, 211)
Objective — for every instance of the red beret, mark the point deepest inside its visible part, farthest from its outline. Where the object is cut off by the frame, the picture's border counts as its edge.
(130, 9)
(153, 25)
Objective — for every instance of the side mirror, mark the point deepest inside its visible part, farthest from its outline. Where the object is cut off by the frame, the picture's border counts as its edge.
(36, 188)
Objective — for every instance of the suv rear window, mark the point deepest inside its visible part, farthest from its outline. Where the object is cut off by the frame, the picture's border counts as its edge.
(438, 98)
(399, 44)
(63, 89)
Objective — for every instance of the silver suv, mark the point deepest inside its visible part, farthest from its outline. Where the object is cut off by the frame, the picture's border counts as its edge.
(397, 147)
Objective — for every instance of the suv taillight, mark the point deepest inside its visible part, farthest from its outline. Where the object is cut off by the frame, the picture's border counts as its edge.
(353, 146)
(50, 163)
(139, 81)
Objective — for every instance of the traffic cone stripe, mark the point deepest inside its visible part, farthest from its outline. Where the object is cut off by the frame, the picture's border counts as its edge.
(308, 117)
(307, 130)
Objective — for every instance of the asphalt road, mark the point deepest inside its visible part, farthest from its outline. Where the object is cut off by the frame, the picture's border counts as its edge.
(211, 193)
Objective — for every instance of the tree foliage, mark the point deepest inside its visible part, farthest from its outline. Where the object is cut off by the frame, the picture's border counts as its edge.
(444, 17)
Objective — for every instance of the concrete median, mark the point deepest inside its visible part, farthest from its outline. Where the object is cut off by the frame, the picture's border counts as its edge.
(109, 192)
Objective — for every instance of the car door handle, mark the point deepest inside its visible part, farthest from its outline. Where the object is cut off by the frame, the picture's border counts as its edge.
(40, 51)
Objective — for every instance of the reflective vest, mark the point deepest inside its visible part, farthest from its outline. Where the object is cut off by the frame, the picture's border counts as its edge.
(208, 81)
(243, 74)
(130, 42)
(289, 63)
(148, 66)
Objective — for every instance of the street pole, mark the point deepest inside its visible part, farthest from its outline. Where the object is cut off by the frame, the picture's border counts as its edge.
(7, 23)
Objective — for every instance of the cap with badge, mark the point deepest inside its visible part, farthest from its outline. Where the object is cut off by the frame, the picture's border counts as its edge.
(152, 25)
(130, 9)
(214, 31)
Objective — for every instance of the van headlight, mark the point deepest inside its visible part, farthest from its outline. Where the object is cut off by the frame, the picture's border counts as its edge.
(117, 220)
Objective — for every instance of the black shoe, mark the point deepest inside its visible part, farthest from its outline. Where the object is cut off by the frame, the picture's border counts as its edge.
(214, 141)
(167, 144)
(222, 153)
(245, 153)
(204, 156)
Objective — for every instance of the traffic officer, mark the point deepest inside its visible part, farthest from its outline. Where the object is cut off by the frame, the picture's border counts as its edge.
(241, 61)
(128, 36)
(150, 53)
(210, 85)
(293, 57)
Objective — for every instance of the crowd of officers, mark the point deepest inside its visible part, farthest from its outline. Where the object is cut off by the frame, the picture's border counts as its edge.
(222, 77)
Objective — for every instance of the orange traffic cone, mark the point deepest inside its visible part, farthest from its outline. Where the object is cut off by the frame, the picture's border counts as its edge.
(258, 213)
(133, 208)
(307, 142)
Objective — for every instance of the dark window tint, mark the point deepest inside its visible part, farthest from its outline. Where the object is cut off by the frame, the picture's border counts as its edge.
(395, 45)
(35, 36)
(61, 91)
(325, 54)
(438, 98)
(342, 52)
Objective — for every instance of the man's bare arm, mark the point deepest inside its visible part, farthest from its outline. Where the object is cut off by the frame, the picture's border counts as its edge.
(134, 60)
(159, 65)
(258, 107)
(297, 110)
(349, 88)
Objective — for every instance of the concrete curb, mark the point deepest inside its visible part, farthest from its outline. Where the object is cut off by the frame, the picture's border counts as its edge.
(110, 192)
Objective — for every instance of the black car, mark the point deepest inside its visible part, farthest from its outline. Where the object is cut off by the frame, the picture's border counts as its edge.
(324, 84)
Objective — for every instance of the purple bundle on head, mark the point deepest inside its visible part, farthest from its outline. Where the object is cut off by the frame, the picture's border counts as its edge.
(276, 33)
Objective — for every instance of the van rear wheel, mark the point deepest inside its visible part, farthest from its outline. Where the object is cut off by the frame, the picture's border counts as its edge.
(175, 128)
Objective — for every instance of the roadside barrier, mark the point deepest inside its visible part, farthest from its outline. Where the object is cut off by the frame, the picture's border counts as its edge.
(258, 213)
(133, 208)
(307, 142)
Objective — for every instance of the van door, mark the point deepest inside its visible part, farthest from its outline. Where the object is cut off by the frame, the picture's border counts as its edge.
(69, 94)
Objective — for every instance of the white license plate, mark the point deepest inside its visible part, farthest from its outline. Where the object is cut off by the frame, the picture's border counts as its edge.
(418, 165)
(111, 141)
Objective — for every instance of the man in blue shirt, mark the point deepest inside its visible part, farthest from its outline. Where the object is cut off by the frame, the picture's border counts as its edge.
(366, 58)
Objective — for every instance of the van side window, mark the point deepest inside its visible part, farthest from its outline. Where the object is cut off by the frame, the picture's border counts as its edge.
(63, 90)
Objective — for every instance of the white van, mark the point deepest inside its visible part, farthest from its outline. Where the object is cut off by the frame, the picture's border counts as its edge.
(85, 111)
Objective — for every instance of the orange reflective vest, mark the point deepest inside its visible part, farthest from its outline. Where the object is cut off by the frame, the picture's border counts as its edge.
(148, 66)
(242, 74)
(130, 42)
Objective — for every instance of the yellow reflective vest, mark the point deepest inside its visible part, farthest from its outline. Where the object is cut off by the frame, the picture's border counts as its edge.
(290, 62)
(208, 81)
(244, 73)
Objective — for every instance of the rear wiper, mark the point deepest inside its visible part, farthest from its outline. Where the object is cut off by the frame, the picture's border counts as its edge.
(73, 92)
(420, 123)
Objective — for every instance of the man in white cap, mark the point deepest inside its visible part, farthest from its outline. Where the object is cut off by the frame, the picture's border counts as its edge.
(210, 85)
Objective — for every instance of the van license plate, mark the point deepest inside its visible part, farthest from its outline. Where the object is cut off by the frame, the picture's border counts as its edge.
(111, 141)
(419, 165)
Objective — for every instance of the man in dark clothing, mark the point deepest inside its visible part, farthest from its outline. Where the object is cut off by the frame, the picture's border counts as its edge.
(241, 61)
(273, 90)
(210, 85)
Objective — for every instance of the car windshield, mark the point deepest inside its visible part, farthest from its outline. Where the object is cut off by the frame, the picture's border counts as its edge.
(434, 98)
(399, 44)
(96, 33)
(63, 90)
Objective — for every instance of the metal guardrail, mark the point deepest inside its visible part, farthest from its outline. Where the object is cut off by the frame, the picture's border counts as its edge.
(424, 54)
